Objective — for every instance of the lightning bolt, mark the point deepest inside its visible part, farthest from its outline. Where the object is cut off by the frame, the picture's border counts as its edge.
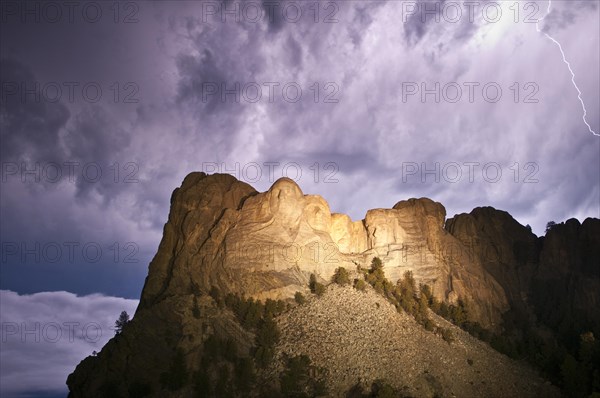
(537, 27)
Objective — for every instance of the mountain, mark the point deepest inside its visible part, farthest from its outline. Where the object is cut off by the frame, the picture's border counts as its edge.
(229, 305)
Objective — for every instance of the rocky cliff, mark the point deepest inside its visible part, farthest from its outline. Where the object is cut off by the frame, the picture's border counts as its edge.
(223, 233)
(224, 236)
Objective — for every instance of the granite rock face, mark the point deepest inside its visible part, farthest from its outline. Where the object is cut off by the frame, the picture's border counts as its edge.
(221, 233)
(566, 286)
(554, 279)
(504, 249)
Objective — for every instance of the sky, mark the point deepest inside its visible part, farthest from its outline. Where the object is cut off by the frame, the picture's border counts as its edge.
(106, 106)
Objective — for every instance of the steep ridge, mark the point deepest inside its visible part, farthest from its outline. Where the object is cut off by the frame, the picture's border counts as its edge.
(223, 236)
(505, 249)
(566, 286)
(223, 233)
(558, 273)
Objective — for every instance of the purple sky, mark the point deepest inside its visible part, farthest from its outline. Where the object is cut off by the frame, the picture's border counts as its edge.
(360, 97)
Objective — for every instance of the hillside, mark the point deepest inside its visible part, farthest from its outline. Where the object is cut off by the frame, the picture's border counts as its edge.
(359, 337)
(218, 309)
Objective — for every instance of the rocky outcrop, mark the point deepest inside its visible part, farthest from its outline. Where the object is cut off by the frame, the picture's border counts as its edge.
(505, 249)
(223, 234)
(554, 279)
(566, 285)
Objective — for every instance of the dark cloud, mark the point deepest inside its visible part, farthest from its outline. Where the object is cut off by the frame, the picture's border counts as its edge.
(465, 30)
(274, 16)
(295, 53)
(362, 20)
(424, 14)
(30, 122)
(94, 137)
(38, 129)
(197, 74)
(563, 14)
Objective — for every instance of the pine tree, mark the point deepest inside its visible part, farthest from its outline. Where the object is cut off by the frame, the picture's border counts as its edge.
(312, 283)
(121, 322)
(341, 276)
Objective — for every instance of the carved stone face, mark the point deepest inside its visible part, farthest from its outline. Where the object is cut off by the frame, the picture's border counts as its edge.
(383, 234)
(317, 214)
(286, 202)
(383, 228)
